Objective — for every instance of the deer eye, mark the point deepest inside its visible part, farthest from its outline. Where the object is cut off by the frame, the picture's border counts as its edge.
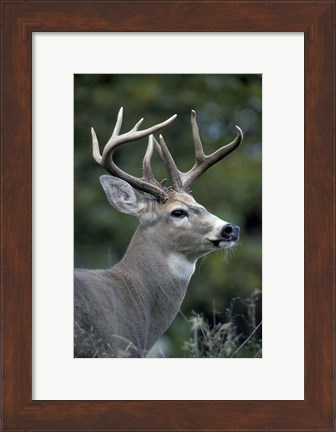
(179, 213)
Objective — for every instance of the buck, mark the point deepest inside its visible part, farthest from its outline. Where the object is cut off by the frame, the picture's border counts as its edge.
(123, 311)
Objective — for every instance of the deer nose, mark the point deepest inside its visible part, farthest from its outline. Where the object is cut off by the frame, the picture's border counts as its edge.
(230, 232)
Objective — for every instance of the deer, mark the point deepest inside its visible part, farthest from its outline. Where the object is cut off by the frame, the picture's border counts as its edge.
(122, 311)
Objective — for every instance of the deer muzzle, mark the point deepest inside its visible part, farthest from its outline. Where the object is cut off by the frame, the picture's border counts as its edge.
(230, 232)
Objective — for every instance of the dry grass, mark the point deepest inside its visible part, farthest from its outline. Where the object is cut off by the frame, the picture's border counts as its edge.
(223, 339)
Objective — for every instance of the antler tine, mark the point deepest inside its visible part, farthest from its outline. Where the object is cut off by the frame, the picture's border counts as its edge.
(95, 147)
(117, 127)
(168, 161)
(146, 165)
(118, 124)
(146, 183)
(199, 153)
(203, 162)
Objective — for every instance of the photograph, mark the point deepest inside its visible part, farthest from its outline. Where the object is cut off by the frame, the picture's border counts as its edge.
(168, 215)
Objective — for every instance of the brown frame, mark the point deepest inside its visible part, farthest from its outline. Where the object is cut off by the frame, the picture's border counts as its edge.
(19, 21)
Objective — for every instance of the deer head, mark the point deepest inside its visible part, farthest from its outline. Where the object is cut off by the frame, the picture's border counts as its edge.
(179, 224)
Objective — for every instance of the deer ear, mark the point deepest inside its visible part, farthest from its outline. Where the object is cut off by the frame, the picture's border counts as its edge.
(122, 196)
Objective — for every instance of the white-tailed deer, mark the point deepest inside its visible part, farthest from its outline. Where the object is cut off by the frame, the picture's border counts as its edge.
(123, 311)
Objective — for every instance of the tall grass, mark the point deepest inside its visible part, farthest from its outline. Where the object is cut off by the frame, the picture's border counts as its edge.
(223, 340)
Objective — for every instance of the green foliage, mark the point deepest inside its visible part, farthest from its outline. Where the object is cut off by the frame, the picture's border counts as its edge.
(231, 190)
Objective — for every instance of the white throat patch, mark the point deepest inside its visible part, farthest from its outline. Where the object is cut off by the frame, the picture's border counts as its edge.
(180, 266)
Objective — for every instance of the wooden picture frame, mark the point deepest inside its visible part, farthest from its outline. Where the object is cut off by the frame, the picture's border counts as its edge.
(19, 20)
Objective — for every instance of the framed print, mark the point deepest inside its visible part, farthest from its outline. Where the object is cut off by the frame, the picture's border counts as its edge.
(314, 410)
(280, 58)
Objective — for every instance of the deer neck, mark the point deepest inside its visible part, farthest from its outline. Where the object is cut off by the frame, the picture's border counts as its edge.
(159, 281)
(153, 261)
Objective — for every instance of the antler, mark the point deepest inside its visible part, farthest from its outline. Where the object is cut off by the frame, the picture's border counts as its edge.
(202, 161)
(147, 183)
(181, 180)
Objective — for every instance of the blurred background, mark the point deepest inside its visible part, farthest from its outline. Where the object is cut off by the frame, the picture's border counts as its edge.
(223, 301)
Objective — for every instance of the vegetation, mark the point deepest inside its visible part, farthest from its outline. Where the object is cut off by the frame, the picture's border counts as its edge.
(223, 339)
(231, 189)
